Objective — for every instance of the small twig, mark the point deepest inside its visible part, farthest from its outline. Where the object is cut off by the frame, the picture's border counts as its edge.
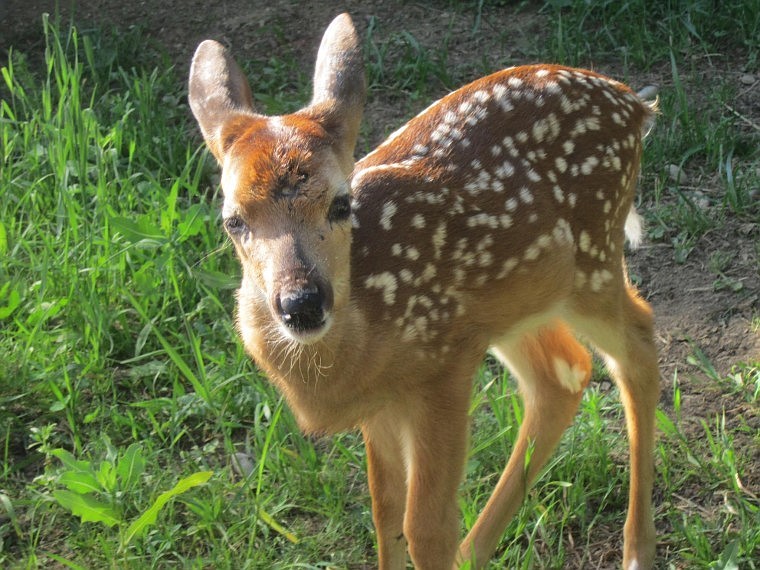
(742, 117)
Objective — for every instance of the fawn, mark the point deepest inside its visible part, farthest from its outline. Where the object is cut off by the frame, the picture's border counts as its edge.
(495, 219)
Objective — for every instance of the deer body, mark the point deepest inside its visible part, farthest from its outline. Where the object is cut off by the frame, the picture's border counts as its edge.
(370, 293)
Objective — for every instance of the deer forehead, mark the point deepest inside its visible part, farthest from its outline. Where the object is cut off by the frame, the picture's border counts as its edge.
(281, 163)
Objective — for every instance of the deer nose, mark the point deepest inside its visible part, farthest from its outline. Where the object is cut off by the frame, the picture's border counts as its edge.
(302, 309)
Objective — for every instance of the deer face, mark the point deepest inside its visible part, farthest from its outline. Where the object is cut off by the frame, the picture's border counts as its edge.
(286, 201)
(286, 209)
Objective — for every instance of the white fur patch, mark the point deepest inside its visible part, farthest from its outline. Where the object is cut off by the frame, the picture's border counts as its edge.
(386, 282)
(570, 378)
(633, 228)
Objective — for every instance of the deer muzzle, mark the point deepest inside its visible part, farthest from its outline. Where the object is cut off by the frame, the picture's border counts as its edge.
(304, 311)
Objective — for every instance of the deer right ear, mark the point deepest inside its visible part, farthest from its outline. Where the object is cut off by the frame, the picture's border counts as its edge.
(218, 91)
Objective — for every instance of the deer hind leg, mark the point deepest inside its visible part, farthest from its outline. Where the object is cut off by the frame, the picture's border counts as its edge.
(552, 369)
(623, 331)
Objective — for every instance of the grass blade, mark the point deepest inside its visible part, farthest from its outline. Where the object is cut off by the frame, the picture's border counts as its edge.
(149, 517)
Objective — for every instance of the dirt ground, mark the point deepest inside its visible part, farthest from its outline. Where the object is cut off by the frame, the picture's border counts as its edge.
(690, 312)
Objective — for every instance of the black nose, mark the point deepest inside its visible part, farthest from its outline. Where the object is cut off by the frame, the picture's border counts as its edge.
(302, 309)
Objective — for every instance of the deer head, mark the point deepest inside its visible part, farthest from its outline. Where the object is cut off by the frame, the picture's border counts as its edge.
(287, 206)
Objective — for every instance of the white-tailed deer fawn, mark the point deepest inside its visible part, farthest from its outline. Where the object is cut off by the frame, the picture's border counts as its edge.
(371, 292)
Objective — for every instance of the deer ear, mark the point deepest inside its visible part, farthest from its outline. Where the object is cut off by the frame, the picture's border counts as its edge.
(218, 91)
(339, 86)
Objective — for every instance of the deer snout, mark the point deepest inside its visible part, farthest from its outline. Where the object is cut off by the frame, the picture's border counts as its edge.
(304, 310)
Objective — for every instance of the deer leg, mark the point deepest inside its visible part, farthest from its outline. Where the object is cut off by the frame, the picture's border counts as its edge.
(386, 468)
(438, 444)
(629, 348)
(552, 369)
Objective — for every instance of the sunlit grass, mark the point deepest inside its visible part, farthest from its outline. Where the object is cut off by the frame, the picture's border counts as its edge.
(116, 329)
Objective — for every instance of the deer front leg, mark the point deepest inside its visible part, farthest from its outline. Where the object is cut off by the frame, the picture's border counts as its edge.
(386, 469)
(439, 438)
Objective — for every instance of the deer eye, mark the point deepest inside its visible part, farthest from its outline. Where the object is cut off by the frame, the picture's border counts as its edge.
(234, 225)
(340, 209)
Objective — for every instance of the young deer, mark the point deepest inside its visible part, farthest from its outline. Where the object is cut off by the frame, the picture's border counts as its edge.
(370, 293)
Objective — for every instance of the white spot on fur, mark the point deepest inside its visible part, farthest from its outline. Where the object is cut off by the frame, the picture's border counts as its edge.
(543, 241)
(499, 91)
(562, 232)
(428, 274)
(386, 282)
(485, 259)
(589, 164)
(505, 170)
(507, 267)
(439, 240)
(532, 252)
(584, 241)
(571, 378)
(418, 221)
(483, 219)
(389, 209)
(595, 281)
(481, 96)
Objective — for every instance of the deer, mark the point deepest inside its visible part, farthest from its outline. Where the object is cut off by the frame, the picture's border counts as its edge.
(496, 219)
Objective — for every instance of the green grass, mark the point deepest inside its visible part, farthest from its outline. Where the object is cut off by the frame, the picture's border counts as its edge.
(642, 33)
(118, 342)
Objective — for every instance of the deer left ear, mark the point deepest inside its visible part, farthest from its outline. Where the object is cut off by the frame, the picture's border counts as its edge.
(339, 87)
